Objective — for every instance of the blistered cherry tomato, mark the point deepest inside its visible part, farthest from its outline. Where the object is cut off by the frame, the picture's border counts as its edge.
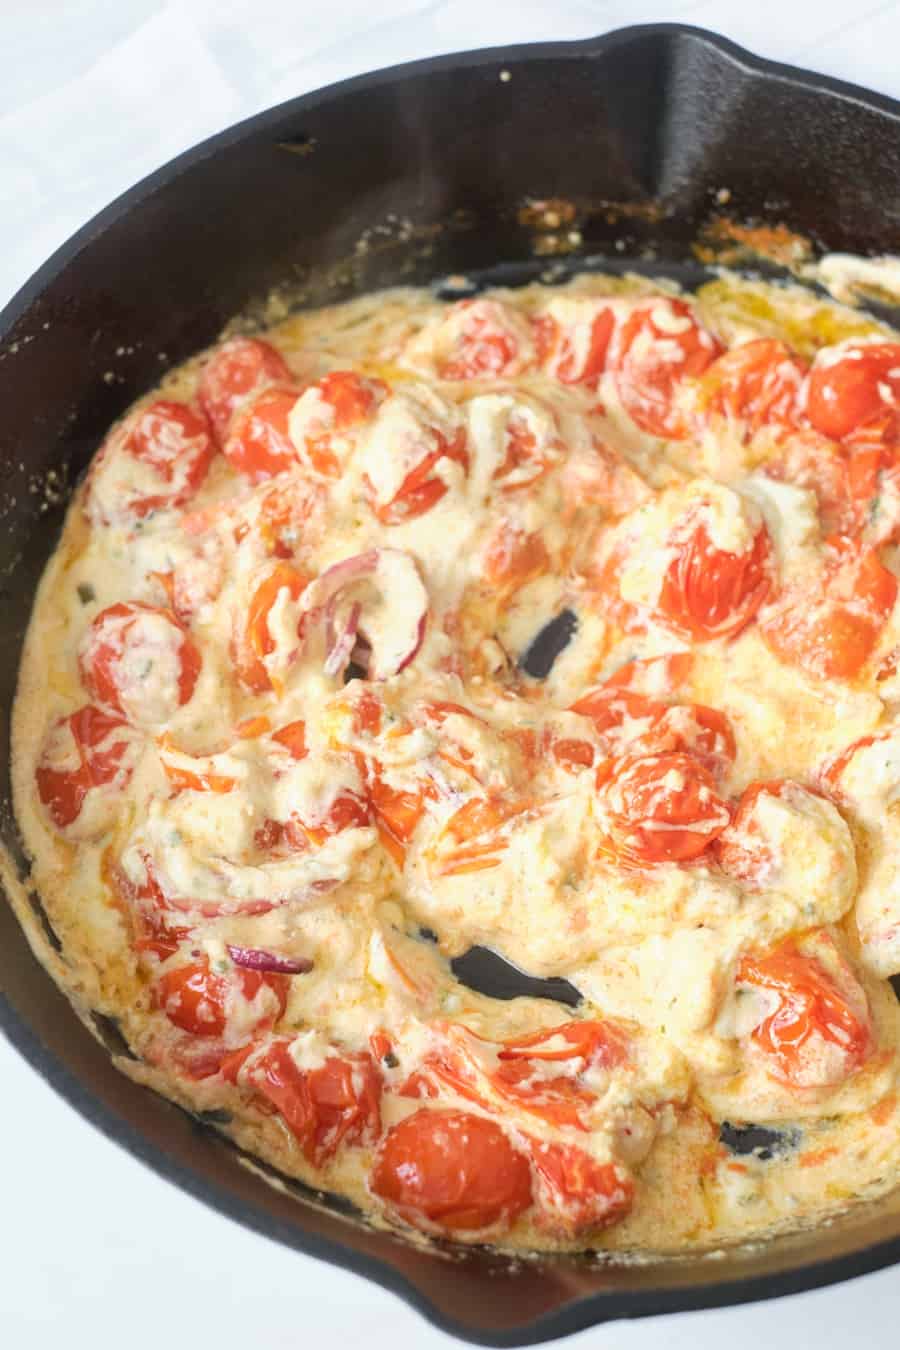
(575, 1194)
(855, 386)
(85, 750)
(259, 444)
(156, 460)
(657, 348)
(238, 368)
(253, 638)
(452, 1171)
(756, 384)
(663, 808)
(336, 404)
(139, 661)
(198, 1000)
(708, 592)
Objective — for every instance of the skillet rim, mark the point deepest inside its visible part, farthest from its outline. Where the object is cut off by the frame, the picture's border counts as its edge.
(579, 1312)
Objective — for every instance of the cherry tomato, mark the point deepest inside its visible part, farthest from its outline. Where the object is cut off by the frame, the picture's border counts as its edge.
(820, 1032)
(742, 850)
(451, 1171)
(156, 460)
(238, 368)
(755, 384)
(575, 1193)
(855, 386)
(253, 640)
(654, 676)
(198, 775)
(149, 912)
(285, 515)
(621, 717)
(259, 444)
(486, 343)
(575, 352)
(85, 750)
(832, 632)
(197, 1000)
(709, 592)
(591, 1042)
(657, 348)
(513, 558)
(705, 733)
(572, 754)
(397, 813)
(139, 661)
(340, 402)
(530, 445)
(809, 461)
(421, 489)
(346, 812)
(325, 1108)
(663, 808)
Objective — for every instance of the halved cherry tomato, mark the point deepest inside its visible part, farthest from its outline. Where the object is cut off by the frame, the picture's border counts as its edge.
(486, 345)
(663, 808)
(196, 999)
(705, 733)
(173, 449)
(575, 353)
(259, 443)
(85, 750)
(333, 1105)
(658, 347)
(832, 633)
(513, 557)
(202, 777)
(820, 1032)
(575, 1193)
(853, 387)
(453, 1171)
(253, 640)
(238, 368)
(755, 384)
(139, 661)
(334, 405)
(708, 592)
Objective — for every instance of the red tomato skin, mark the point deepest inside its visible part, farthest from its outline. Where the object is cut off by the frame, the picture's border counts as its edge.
(812, 1009)
(575, 1193)
(757, 384)
(253, 640)
(485, 350)
(846, 394)
(259, 445)
(240, 367)
(451, 1171)
(662, 808)
(174, 440)
(63, 791)
(708, 593)
(646, 379)
(193, 997)
(109, 638)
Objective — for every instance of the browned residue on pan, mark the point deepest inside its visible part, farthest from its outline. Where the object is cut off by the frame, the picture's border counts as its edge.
(726, 241)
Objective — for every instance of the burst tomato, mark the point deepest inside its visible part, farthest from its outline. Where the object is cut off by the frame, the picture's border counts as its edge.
(485, 342)
(591, 1042)
(513, 557)
(663, 808)
(820, 1032)
(575, 1193)
(452, 1171)
(755, 384)
(832, 633)
(240, 367)
(658, 347)
(199, 1001)
(854, 387)
(333, 1105)
(156, 460)
(139, 661)
(253, 639)
(708, 592)
(742, 850)
(85, 750)
(259, 444)
(338, 403)
(575, 352)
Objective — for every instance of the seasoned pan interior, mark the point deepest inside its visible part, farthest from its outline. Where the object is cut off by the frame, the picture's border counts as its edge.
(498, 167)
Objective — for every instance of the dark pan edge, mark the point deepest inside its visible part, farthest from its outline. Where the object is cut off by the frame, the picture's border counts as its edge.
(580, 1312)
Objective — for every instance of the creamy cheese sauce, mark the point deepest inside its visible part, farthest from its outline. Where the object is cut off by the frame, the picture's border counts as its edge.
(277, 762)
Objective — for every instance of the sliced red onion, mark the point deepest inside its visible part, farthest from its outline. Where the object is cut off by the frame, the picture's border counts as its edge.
(393, 605)
(254, 958)
(340, 637)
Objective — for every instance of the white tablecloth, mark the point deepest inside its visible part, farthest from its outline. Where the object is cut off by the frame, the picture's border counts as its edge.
(97, 1252)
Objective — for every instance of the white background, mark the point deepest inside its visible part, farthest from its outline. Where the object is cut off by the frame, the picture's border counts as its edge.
(95, 1250)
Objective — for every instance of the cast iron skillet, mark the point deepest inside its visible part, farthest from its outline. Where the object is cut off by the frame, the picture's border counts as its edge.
(408, 175)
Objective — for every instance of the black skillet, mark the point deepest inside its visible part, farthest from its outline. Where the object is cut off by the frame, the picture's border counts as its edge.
(408, 175)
